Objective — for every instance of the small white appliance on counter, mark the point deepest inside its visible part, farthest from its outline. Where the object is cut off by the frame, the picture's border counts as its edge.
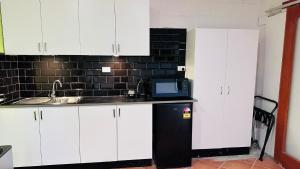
(6, 161)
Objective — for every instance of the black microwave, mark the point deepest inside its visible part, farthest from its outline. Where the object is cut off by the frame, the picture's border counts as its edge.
(170, 88)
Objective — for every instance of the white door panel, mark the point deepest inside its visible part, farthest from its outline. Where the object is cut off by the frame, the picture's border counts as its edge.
(210, 66)
(133, 27)
(240, 87)
(134, 132)
(59, 128)
(22, 29)
(19, 127)
(60, 27)
(97, 27)
(98, 133)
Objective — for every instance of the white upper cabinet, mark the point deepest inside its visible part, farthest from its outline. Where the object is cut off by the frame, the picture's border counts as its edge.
(134, 132)
(98, 133)
(22, 27)
(60, 27)
(97, 27)
(19, 127)
(132, 27)
(59, 128)
(76, 27)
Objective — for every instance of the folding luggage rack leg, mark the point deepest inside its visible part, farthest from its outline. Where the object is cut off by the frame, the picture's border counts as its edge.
(267, 118)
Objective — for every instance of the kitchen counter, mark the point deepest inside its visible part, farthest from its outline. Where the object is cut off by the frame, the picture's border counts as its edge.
(106, 100)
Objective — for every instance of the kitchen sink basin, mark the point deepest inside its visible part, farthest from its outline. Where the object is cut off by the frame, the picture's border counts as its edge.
(49, 100)
(64, 100)
(33, 100)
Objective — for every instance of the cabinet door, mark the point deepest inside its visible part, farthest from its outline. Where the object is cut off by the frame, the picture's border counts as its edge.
(132, 27)
(59, 129)
(210, 66)
(22, 27)
(240, 87)
(60, 27)
(97, 27)
(98, 133)
(19, 127)
(134, 132)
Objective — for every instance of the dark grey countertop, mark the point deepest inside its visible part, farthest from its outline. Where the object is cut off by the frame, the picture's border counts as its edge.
(107, 100)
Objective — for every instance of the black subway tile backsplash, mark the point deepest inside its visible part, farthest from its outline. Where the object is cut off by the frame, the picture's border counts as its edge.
(9, 78)
(27, 76)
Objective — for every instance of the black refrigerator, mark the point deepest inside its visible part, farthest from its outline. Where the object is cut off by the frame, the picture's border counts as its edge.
(172, 135)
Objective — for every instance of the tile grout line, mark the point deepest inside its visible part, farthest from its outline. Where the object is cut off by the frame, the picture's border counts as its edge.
(222, 165)
(280, 165)
(254, 163)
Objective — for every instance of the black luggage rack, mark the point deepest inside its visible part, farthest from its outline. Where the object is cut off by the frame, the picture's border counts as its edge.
(266, 118)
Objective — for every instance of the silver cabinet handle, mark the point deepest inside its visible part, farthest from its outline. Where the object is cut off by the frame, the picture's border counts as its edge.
(119, 48)
(114, 112)
(41, 115)
(39, 47)
(34, 115)
(228, 92)
(119, 112)
(45, 46)
(221, 93)
(113, 48)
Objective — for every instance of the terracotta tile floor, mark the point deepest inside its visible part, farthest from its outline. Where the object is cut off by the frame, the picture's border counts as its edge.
(248, 163)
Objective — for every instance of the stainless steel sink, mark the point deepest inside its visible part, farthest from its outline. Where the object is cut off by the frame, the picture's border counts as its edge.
(33, 100)
(64, 100)
(48, 100)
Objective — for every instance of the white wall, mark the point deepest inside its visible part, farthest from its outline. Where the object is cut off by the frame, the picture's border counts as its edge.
(270, 63)
(205, 13)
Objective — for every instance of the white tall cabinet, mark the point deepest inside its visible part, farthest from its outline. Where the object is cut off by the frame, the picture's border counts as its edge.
(222, 66)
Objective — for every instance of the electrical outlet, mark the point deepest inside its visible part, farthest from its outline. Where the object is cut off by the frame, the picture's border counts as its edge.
(106, 69)
(180, 68)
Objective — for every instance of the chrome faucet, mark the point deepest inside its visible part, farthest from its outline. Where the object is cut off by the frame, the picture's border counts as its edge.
(2, 99)
(138, 86)
(55, 87)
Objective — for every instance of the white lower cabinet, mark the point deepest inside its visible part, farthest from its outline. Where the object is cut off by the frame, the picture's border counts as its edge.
(98, 137)
(59, 128)
(122, 132)
(134, 132)
(41, 136)
(71, 134)
(19, 127)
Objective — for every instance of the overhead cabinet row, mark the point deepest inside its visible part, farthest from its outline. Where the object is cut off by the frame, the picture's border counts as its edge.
(76, 27)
